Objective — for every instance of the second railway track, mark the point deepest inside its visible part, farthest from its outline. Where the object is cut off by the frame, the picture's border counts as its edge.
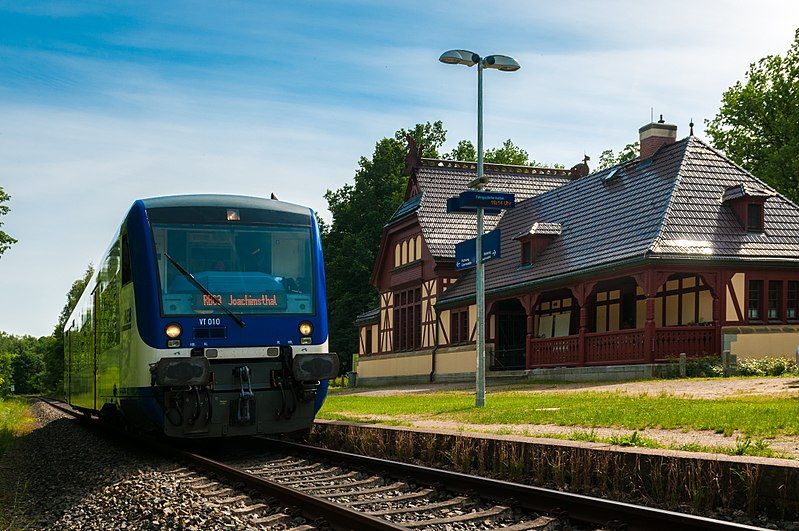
(348, 491)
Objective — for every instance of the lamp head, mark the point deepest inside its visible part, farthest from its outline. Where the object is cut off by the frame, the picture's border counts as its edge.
(501, 62)
(459, 57)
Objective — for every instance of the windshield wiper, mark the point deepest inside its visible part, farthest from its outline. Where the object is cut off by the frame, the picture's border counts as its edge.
(202, 288)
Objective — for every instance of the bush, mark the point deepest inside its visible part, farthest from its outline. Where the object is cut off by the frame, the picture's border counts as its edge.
(767, 367)
(704, 367)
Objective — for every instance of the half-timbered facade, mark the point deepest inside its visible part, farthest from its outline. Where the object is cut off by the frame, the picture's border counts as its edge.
(678, 251)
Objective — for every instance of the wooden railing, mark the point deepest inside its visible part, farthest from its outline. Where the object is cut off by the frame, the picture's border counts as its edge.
(554, 352)
(606, 348)
(694, 341)
(624, 346)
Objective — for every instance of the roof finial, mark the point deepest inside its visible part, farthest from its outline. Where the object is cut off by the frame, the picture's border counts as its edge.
(661, 121)
(581, 169)
(691, 125)
(651, 115)
(414, 156)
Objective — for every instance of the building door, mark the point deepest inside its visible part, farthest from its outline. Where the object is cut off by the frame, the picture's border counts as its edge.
(511, 321)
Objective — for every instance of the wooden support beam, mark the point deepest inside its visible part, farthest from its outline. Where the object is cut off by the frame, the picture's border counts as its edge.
(582, 292)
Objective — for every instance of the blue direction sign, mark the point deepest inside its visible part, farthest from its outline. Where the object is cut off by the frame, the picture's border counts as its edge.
(469, 201)
(486, 199)
(466, 251)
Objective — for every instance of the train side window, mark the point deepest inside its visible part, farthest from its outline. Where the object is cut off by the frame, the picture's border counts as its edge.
(126, 272)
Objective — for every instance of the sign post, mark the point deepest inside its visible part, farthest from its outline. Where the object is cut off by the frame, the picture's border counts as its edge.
(506, 64)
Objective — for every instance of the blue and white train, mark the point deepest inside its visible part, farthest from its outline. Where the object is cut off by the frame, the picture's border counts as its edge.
(206, 317)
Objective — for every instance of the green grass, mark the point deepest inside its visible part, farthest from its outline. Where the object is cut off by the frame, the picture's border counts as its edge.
(753, 416)
(14, 420)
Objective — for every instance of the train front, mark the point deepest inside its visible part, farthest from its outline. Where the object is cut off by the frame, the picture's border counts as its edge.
(231, 310)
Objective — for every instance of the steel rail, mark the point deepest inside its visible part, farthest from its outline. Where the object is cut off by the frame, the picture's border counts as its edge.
(578, 507)
(336, 515)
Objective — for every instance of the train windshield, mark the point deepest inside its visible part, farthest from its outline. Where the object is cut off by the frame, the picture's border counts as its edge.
(251, 269)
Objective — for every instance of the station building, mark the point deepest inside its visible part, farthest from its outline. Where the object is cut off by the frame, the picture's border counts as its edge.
(677, 251)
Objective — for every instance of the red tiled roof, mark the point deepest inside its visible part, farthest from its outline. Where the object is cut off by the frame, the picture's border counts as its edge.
(666, 206)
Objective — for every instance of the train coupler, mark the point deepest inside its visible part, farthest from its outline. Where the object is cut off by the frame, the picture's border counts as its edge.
(244, 406)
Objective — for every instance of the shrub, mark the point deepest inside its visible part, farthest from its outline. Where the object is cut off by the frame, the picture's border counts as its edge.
(767, 367)
(704, 367)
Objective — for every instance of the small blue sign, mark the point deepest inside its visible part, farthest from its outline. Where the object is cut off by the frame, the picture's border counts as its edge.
(486, 199)
(466, 251)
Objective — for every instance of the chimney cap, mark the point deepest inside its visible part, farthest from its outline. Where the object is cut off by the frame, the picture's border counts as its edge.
(659, 126)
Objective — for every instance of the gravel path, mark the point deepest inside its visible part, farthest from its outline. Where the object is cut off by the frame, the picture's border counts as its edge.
(687, 387)
(62, 476)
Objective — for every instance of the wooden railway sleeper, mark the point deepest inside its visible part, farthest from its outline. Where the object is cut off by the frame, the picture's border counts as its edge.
(340, 487)
(316, 479)
(404, 497)
(342, 493)
(454, 502)
(469, 517)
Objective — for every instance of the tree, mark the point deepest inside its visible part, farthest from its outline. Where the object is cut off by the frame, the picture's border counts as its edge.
(21, 363)
(6, 372)
(351, 241)
(627, 153)
(53, 351)
(5, 240)
(508, 153)
(28, 365)
(757, 125)
(464, 151)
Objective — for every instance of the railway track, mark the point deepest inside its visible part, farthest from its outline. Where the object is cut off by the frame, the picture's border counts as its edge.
(348, 491)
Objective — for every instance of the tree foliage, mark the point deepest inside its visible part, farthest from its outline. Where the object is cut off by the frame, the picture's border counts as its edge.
(507, 153)
(21, 363)
(359, 211)
(608, 158)
(5, 240)
(757, 125)
(464, 151)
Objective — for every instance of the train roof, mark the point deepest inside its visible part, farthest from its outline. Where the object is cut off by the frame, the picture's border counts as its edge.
(224, 200)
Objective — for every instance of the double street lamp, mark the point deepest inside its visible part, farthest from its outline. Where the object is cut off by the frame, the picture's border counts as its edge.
(505, 64)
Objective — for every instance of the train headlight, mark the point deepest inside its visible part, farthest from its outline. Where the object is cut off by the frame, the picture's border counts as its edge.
(306, 328)
(173, 330)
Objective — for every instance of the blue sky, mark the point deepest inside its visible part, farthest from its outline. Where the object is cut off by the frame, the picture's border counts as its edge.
(104, 103)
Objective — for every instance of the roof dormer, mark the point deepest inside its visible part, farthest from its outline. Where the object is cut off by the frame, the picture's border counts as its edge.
(536, 239)
(747, 200)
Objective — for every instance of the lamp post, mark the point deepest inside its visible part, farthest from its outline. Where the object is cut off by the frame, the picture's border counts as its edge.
(505, 64)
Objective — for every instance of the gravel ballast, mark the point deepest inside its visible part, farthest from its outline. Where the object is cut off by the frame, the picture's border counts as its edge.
(63, 476)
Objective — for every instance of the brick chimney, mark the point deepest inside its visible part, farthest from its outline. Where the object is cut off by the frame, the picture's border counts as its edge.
(654, 135)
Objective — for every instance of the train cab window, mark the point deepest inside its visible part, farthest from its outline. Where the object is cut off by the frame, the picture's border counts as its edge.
(126, 270)
(252, 269)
